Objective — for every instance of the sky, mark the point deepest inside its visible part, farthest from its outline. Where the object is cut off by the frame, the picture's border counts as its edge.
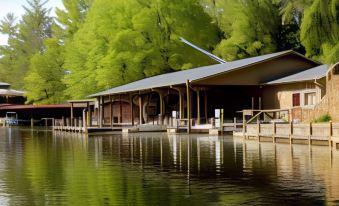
(15, 6)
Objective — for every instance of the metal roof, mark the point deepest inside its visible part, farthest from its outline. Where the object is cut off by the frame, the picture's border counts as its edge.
(180, 77)
(4, 84)
(11, 92)
(307, 75)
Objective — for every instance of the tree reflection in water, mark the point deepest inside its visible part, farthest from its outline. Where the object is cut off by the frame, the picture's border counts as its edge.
(38, 168)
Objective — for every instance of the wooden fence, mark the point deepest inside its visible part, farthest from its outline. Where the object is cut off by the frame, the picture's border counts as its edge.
(311, 131)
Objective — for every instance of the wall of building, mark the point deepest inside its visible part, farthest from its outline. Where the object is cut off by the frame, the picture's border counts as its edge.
(333, 92)
(280, 96)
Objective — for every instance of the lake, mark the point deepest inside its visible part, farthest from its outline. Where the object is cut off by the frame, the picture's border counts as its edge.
(46, 168)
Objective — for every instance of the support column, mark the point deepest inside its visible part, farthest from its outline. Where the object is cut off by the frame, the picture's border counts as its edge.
(100, 113)
(120, 109)
(140, 110)
(181, 105)
(132, 110)
(188, 93)
(72, 117)
(110, 111)
(205, 105)
(89, 115)
(198, 106)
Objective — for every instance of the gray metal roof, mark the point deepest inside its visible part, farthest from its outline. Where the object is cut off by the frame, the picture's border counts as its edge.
(180, 77)
(307, 75)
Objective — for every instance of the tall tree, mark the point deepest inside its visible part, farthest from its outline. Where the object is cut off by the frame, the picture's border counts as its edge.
(8, 27)
(250, 28)
(34, 27)
(125, 41)
(43, 82)
(320, 30)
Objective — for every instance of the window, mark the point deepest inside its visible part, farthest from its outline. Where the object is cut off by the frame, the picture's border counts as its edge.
(310, 98)
(296, 99)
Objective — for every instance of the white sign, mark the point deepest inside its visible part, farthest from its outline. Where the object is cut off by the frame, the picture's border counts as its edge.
(174, 114)
(217, 113)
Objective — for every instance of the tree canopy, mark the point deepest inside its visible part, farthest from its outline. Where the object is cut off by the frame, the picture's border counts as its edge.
(93, 45)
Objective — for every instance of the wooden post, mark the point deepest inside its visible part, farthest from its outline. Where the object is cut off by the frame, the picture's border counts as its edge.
(32, 123)
(252, 103)
(260, 103)
(291, 132)
(63, 121)
(111, 111)
(72, 114)
(181, 111)
(258, 130)
(161, 99)
(140, 110)
(310, 134)
(89, 121)
(120, 108)
(102, 111)
(205, 106)
(243, 125)
(84, 120)
(235, 123)
(188, 93)
(132, 110)
(331, 134)
(98, 112)
(198, 107)
(274, 131)
(222, 121)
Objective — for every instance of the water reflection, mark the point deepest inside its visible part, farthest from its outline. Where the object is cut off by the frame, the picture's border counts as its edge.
(38, 168)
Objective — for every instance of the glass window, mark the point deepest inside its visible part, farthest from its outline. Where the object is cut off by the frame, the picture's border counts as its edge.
(310, 98)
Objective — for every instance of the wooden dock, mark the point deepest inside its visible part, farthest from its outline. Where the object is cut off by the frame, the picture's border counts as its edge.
(310, 133)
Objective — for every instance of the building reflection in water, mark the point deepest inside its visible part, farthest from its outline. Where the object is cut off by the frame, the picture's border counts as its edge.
(284, 165)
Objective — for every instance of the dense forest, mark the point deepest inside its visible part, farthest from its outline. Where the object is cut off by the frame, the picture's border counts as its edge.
(92, 45)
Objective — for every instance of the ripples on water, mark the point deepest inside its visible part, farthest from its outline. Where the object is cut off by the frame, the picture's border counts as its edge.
(42, 168)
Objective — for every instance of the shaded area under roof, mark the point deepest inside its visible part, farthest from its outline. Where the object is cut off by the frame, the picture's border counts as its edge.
(180, 77)
(307, 75)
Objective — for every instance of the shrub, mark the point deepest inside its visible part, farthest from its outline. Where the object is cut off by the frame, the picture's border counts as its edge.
(323, 118)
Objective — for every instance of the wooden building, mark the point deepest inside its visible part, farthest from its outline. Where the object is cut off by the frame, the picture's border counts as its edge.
(10, 96)
(284, 80)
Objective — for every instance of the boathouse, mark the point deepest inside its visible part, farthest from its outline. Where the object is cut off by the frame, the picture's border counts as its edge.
(10, 96)
(284, 80)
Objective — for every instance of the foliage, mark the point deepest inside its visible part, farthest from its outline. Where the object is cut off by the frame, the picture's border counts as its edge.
(320, 30)
(95, 45)
(247, 29)
(43, 82)
(125, 41)
(323, 118)
(25, 39)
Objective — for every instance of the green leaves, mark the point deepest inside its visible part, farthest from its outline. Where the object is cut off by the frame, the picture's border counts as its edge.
(43, 82)
(96, 45)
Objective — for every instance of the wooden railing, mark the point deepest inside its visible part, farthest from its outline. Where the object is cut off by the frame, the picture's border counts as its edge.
(311, 131)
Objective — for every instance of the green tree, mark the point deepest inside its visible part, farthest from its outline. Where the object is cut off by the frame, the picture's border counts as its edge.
(320, 30)
(43, 81)
(8, 27)
(250, 28)
(125, 41)
(34, 27)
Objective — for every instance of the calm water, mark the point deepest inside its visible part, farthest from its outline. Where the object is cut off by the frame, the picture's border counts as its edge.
(42, 168)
